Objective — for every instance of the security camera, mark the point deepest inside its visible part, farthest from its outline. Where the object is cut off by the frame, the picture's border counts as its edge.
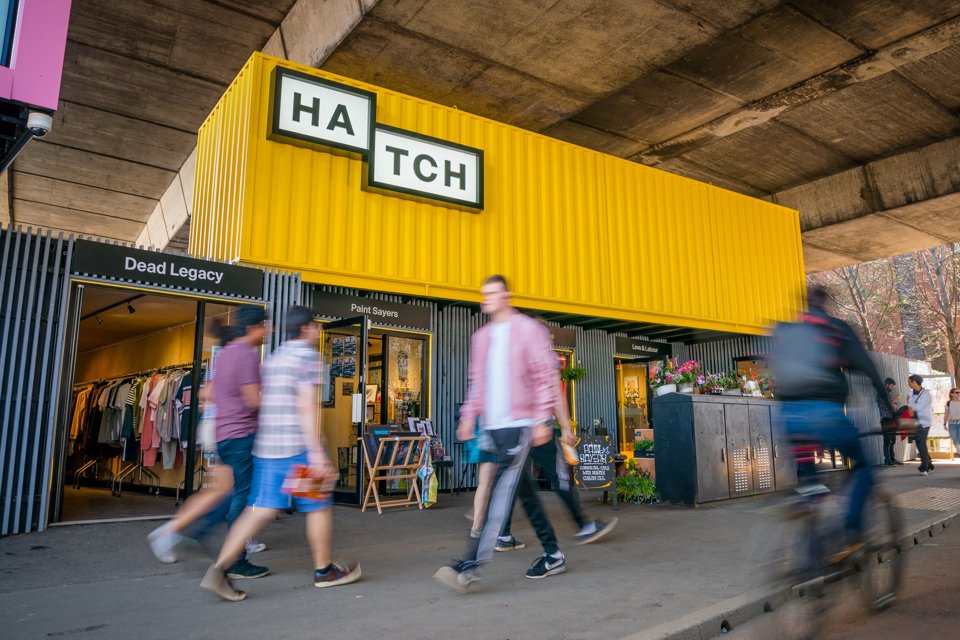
(39, 123)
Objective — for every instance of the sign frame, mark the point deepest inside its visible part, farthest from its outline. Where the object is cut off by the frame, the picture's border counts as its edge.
(610, 476)
(370, 184)
(337, 305)
(641, 349)
(277, 134)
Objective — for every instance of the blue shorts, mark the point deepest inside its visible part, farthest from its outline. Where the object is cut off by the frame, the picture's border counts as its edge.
(268, 477)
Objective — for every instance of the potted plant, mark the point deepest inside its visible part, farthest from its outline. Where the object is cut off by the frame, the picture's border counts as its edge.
(635, 485)
(665, 379)
(643, 448)
(730, 384)
(571, 374)
(689, 374)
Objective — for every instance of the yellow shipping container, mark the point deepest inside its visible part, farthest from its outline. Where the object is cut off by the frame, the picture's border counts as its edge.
(575, 231)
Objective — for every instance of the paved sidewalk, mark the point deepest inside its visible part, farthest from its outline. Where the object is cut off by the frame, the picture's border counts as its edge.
(661, 563)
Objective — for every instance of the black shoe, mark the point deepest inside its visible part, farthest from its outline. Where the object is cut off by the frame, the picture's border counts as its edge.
(929, 467)
(244, 570)
(898, 463)
(545, 566)
(601, 528)
(509, 545)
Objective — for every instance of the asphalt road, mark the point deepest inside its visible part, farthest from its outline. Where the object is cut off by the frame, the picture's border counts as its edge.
(928, 606)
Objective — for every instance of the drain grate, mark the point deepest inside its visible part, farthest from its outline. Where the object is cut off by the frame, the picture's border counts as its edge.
(932, 499)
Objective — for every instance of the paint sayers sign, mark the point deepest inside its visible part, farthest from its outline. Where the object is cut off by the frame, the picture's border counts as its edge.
(312, 110)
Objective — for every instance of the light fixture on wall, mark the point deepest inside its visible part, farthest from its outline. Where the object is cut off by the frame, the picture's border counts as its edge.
(130, 308)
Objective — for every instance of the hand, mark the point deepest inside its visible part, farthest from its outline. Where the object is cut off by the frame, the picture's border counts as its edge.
(320, 464)
(465, 431)
(542, 432)
(569, 438)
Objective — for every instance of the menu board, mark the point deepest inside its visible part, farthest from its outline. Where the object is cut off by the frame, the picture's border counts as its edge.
(596, 467)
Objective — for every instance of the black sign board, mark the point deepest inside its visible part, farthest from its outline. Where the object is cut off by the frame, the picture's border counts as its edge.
(595, 470)
(563, 338)
(335, 305)
(641, 349)
(165, 270)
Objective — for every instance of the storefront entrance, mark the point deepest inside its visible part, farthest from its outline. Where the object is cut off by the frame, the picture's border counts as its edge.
(633, 401)
(371, 378)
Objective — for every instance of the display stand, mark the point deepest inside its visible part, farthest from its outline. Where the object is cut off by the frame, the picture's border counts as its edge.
(393, 458)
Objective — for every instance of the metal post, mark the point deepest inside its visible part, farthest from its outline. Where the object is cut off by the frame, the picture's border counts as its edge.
(196, 379)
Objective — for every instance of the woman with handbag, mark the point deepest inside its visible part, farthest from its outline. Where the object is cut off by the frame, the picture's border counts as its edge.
(921, 405)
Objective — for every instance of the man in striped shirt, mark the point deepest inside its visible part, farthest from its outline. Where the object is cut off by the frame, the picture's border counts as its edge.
(288, 436)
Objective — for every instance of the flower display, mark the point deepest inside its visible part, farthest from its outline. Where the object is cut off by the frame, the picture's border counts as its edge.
(670, 372)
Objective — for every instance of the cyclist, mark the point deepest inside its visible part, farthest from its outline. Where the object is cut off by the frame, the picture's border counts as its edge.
(809, 357)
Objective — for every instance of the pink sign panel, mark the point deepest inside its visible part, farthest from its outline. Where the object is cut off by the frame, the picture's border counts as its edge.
(36, 60)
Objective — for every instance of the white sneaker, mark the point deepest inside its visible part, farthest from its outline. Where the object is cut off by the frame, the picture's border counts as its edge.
(163, 540)
(255, 547)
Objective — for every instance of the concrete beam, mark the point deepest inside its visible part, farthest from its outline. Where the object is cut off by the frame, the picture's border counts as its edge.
(866, 67)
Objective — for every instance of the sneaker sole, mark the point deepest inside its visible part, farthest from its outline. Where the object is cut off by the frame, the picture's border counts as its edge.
(240, 576)
(351, 577)
(448, 576)
(220, 589)
(599, 534)
(515, 547)
(550, 572)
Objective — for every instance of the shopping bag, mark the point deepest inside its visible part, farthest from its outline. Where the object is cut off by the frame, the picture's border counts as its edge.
(302, 482)
(207, 434)
(428, 481)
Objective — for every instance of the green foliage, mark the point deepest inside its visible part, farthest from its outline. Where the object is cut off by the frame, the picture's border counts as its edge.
(634, 485)
(644, 444)
(569, 374)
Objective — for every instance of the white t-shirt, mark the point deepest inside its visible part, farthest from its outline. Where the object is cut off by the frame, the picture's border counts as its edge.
(496, 403)
(953, 411)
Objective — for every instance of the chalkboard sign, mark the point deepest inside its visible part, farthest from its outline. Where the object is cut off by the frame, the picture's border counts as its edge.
(595, 470)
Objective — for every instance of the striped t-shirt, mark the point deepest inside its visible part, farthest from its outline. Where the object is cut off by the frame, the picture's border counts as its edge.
(292, 367)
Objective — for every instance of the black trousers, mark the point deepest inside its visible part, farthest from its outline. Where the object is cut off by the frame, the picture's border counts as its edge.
(512, 479)
(921, 440)
(889, 441)
(555, 469)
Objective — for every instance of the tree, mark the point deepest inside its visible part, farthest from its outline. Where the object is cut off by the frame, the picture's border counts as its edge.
(862, 297)
(938, 300)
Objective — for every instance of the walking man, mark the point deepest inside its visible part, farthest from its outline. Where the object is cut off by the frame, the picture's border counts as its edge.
(557, 473)
(512, 376)
(288, 436)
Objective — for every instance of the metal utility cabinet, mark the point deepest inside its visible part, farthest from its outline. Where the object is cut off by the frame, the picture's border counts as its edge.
(718, 447)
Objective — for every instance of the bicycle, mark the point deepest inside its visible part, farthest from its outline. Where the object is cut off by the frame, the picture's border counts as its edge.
(808, 573)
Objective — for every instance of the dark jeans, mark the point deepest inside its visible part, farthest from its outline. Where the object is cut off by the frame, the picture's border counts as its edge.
(557, 473)
(889, 440)
(921, 440)
(512, 478)
(824, 422)
(237, 453)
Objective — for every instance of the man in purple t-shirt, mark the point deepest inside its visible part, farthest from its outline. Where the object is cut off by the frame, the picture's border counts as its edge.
(236, 392)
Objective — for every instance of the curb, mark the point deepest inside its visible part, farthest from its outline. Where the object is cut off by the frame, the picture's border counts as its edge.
(718, 619)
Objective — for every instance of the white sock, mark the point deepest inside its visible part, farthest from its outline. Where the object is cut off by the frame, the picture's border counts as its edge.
(590, 527)
(505, 538)
(556, 556)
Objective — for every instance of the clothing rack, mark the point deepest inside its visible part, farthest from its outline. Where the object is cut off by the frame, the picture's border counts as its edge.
(137, 374)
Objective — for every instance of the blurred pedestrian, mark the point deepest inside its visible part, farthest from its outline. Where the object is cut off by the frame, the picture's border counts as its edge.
(510, 387)
(952, 414)
(288, 439)
(888, 423)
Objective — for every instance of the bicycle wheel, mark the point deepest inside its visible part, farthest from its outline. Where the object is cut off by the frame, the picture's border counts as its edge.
(880, 570)
(800, 594)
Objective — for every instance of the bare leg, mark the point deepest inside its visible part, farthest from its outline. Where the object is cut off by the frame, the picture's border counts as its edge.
(320, 536)
(248, 525)
(485, 474)
(204, 501)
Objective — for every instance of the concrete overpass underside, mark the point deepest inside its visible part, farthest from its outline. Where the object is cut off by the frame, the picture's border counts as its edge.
(848, 110)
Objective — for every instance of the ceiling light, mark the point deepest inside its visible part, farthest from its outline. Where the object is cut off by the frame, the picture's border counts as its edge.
(131, 309)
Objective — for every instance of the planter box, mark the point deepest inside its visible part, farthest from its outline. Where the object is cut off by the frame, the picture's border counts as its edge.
(732, 392)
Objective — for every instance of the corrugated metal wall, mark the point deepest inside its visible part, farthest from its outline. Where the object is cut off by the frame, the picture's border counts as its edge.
(34, 287)
(306, 210)
(281, 291)
(596, 394)
(717, 356)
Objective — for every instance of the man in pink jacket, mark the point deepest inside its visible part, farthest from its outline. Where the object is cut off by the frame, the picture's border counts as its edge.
(512, 376)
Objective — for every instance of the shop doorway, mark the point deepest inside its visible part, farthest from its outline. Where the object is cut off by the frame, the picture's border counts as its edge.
(127, 447)
(371, 378)
(633, 401)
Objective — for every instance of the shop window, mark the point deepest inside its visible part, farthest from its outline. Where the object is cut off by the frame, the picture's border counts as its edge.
(405, 368)
(632, 401)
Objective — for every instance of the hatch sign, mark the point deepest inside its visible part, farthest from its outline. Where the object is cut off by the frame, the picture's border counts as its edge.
(315, 111)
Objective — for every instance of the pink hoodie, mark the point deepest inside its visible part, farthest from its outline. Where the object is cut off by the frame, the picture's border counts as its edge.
(533, 371)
